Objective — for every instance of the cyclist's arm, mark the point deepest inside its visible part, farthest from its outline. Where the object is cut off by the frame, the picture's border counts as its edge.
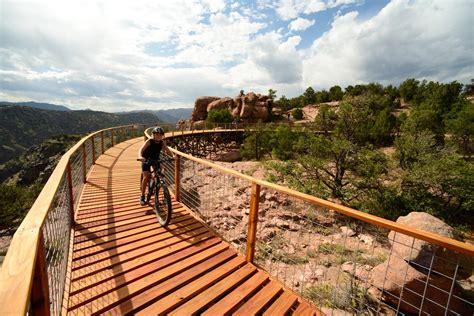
(142, 150)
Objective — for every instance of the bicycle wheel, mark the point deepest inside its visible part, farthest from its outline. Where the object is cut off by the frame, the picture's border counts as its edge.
(163, 204)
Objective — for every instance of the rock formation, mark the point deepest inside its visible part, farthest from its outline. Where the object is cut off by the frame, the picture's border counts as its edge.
(249, 107)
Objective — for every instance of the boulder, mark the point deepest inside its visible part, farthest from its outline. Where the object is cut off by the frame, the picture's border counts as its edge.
(402, 284)
(246, 111)
(224, 103)
(200, 107)
(260, 113)
(420, 253)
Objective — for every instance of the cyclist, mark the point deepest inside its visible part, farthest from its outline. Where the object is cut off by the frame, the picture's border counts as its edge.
(151, 149)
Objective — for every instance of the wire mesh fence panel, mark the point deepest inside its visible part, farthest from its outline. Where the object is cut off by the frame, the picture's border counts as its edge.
(77, 173)
(344, 264)
(168, 170)
(97, 145)
(107, 139)
(89, 158)
(56, 233)
(221, 200)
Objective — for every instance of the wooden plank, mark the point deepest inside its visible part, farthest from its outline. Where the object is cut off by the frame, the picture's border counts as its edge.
(120, 253)
(137, 304)
(304, 309)
(282, 305)
(226, 305)
(203, 261)
(202, 300)
(144, 276)
(148, 236)
(121, 259)
(259, 301)
(161, 257)
(124, 237)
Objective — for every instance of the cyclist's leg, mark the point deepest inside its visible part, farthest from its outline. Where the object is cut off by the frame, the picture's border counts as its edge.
(145, 178)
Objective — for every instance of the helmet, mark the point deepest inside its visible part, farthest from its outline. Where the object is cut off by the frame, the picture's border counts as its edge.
(158, 130)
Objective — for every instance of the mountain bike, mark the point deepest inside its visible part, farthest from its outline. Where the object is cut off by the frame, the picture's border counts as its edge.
(157, 187)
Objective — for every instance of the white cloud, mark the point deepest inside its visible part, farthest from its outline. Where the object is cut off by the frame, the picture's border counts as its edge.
(422, 39)
(290, 9)
(300, 24)
(147, 54)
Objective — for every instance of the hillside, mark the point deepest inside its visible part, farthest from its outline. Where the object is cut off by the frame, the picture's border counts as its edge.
(36, 105)
(36, 164)
(22, 127)
(174, 115)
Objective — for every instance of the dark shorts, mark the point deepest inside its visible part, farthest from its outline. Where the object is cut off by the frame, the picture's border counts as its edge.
(147, 167)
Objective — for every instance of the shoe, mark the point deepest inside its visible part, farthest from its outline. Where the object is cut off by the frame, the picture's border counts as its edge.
(142, 200)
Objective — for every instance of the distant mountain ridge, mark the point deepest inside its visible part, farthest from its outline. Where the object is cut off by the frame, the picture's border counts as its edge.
(36, 105)
(170, 115)
(22, 127)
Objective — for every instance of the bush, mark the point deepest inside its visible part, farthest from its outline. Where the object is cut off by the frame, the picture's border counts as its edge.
(15, 202)
(298, 114)
(219, 116)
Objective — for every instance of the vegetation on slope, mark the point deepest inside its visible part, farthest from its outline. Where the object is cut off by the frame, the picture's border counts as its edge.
(431, 139)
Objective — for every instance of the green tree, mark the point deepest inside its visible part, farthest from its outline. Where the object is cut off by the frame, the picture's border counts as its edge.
(297, 114)
(272, 94)
(257, 143)
(336, 93)
(15, 202)
(326, 119)
(282, 141)
(462, 128)
(283, 103)
(408, 89)
(309, 96)
(219, 116)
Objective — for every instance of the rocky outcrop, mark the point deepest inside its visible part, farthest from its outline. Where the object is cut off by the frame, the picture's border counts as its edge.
(200, 107)
(249, 107)
(402, 284)
(424, 255)
(418, 276)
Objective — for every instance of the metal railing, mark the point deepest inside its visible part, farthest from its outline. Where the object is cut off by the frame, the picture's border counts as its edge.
(336, 257)
(34, 273)
(341, 259)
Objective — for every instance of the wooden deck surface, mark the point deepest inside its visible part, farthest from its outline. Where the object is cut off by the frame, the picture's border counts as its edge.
(124, 262)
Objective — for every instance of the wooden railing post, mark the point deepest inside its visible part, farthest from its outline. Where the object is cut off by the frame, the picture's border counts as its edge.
(70, 191)
(176, 177)
(102, 141)
(253, 221)
(40, 290)
(84, 163)
(112, 133)
(93, 149)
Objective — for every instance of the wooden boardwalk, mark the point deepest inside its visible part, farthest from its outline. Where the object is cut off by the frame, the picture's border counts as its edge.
(124, 262)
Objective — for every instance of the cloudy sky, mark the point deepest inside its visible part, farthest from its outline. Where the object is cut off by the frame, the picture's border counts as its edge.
(147, 54)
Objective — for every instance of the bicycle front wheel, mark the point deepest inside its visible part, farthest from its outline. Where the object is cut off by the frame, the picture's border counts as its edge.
(163, 204)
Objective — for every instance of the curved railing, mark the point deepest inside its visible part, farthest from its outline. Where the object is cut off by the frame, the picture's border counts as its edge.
(33, 274)
(288, 233)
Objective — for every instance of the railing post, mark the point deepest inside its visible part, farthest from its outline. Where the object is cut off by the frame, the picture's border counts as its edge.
(122, 137)
(93, 149)
(69, 186)
(102, 141)
(253, 221)
(176, 177)
(84, 164)
(40, 290)
(112, 132)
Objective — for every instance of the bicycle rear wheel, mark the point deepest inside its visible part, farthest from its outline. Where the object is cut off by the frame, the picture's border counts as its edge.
(163, 204)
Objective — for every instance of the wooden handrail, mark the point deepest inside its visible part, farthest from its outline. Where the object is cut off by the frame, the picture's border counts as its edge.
(16, 274)
(430, 237)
